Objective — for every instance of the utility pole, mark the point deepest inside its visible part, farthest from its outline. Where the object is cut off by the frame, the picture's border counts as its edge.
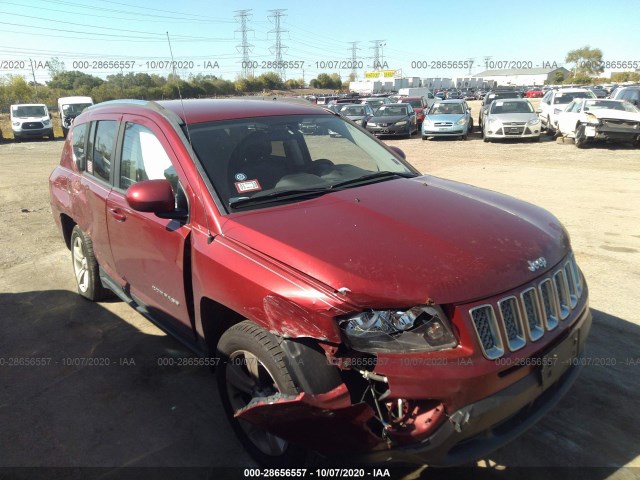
(278, 47)
(245, 47)
(35, 84)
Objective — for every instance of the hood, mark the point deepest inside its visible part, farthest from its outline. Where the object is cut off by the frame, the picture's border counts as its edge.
(616, 114)
(513, 117)
(388, 118)
(404, 241)
(444, 117)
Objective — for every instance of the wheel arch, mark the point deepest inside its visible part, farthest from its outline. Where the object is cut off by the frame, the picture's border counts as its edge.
(67, 224)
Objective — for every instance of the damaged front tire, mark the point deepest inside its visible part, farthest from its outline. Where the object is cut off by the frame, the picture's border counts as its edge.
(254, 365)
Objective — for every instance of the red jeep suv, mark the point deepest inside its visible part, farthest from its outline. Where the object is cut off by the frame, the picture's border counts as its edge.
(351, 305)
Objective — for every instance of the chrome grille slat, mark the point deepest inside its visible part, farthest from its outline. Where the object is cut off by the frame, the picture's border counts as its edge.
(484, 321)
(549, 303)
(512, 322)
(526, 316)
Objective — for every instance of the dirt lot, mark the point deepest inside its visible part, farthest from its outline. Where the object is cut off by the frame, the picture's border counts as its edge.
(136, 413)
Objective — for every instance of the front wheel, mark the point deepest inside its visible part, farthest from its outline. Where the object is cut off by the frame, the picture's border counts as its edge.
(254, 365)
(581, 138)
(85, 267)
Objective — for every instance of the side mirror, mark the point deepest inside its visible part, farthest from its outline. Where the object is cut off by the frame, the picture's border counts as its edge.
(151, 196)
(399, 151)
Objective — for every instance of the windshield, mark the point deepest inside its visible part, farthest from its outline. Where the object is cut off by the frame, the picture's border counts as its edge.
(610, 104)
(446, 109)
(391, 111)
(504, 106)
(74, 108)
(414, 103)
(354, 110)
(30, 111)
(565, 98)
(248, 160)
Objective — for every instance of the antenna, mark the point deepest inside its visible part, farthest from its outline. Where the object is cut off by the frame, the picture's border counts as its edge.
(186, 124)
(173, 65)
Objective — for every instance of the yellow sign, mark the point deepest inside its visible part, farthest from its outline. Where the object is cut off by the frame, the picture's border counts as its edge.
(380, 74)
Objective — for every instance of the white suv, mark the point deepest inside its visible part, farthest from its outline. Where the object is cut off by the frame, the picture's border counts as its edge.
(555, 101)
(31, 120)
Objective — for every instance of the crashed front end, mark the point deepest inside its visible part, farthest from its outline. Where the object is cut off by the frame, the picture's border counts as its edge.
(611, 129)
(440, 384)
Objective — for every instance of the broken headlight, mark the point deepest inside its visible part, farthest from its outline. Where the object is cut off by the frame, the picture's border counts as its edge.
(418, 329)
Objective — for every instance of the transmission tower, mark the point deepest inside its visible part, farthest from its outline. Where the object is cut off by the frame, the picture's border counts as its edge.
(278, 47)
(354, 59)
(245, 47)
(376, 53)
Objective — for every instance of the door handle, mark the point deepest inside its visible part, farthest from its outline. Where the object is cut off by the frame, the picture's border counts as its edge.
(117, 214)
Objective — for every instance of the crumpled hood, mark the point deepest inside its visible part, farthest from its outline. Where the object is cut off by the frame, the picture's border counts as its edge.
(616, 114)
(404, 241)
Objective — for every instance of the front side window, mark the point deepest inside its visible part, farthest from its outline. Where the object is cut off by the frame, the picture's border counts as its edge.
(102, 149)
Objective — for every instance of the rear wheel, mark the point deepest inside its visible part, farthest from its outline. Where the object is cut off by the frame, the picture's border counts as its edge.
(85, 267)
(550, 129)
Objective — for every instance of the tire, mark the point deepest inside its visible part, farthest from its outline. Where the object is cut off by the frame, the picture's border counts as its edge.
(580, 139)
(85, 267)
(253, 364)
(535, 139)
(424, 138)
(64, 132)
(550, 129)
(484, 137)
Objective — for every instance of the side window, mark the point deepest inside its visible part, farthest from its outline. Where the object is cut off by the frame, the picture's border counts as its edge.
(79, 137)
(143, 157)
(102, 149)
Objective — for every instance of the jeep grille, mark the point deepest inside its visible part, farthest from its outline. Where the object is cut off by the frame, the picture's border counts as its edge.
(514, 320)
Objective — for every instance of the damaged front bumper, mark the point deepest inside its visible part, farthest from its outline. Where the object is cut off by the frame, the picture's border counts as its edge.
(332, 423)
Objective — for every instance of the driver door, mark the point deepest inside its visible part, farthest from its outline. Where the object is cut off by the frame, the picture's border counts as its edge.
(149, 251)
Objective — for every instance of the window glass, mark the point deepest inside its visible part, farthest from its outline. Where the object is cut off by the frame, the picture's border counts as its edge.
(79, 136)
(102, 154)
(143, 157)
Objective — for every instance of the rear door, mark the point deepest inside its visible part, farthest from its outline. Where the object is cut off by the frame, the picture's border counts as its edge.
(151, 254)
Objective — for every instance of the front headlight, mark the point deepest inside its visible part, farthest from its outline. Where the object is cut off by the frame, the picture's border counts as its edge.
(494, 123)
(427, 123)
(592, 119)
(401, 123)
(418, 329)
(46, 122)
(16, 124)
(534, 121)
(462, 121)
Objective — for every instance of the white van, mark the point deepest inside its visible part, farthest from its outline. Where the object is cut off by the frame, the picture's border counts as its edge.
(31, 120)
(69, 108)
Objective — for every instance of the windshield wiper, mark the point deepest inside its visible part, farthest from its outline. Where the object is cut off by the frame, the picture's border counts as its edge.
(372, 178)
(280, 195)
(305, 193)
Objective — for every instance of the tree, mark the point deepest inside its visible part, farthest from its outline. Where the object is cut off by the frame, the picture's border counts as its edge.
(587, 61)
(74, 80)
(620, 77)
(558, 77)
(56, 66)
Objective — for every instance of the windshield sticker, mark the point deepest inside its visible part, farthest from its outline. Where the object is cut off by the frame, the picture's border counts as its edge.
(499, 103)
(240, 177)
(90, 166)
(248, 186)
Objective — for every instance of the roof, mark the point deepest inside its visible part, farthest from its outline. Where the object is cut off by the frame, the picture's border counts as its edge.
(205, 110)
(519, 71)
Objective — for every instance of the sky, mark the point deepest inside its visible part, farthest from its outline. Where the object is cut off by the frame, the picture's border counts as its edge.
(418, 38)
